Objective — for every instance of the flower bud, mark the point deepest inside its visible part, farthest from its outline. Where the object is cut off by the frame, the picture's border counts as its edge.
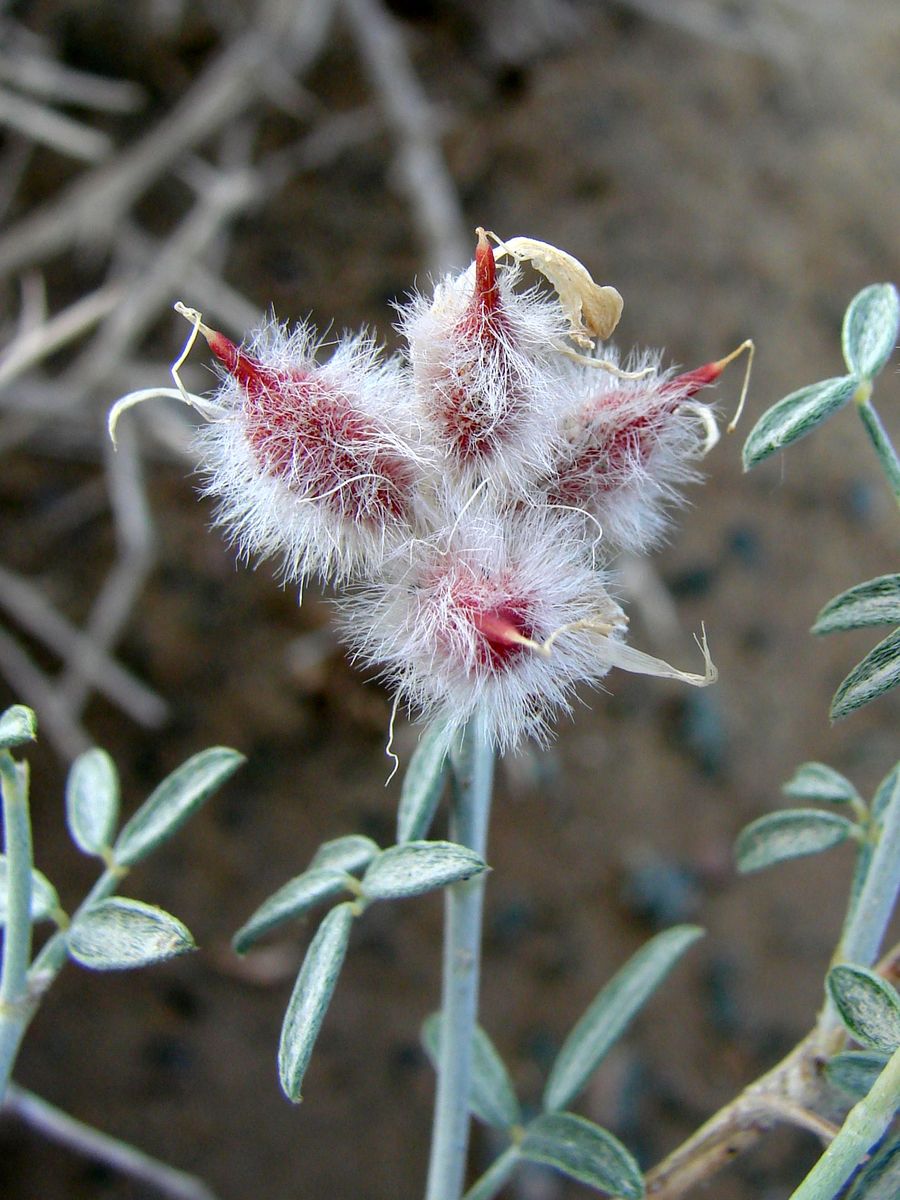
(471, 624)
(483, 371)
(311, 462)
(627, 444)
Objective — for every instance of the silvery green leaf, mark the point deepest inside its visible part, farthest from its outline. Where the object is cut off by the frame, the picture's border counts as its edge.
(116, 934)
(44, 900)
(795, 416)
(297, 897)
(492, 1098)
(814, 781)
(17, 725)
(583, 1151)
(793, 833)
(310, 998)
(879, 1179)
(416, 867)
(423, 784)
(350, 853)
(878, 672)
(855, 1071)
(92, 801)
(876, 602)
(612, 1009)
(174, 801)
(870, 329)
(886, 793)
(868, 1006)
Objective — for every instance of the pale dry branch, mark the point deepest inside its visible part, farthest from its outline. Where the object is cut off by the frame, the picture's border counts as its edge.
(149, 291)
(66, 515)
(39, 341)
(220, 299)
(123, 584)
(33, 306)
(93, 205)
(425, 179)
(32, 686)
(50, 128)
(45, 77)
(31, 609)
(323, 145)
(13, 165)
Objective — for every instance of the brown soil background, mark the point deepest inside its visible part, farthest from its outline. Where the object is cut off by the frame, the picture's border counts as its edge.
(727, 193)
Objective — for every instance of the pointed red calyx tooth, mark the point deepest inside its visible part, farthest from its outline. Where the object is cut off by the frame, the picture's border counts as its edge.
(691, 382)
(504, 630)
(246, 370)
(487, 292)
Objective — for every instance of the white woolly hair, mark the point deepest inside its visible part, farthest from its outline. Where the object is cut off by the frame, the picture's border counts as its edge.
(283, 514)
(413, 625)
(632, 498)
(516, 393)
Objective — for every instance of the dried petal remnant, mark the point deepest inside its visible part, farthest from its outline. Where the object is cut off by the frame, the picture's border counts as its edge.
(593, 311)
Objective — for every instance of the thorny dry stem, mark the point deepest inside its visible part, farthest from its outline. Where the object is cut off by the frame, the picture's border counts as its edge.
(789, 1093)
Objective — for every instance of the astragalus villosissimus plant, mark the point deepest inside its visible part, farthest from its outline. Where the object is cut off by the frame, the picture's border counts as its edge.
(467, 495)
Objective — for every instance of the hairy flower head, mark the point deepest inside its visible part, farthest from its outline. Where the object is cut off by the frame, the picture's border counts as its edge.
(470, 490)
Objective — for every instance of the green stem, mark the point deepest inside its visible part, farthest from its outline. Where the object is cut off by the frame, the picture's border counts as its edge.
(17, 935)
(873, 906)
(873, 897)
(884, 447)
(91, 1143)
(865, 1125)
(473, 777)
(494, 1178)
(16, 1017)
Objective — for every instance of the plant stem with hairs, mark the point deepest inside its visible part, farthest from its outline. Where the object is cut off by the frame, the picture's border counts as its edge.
(473, 769)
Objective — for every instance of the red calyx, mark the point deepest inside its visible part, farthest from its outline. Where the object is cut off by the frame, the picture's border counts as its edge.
(253, 377)
(472, 425)
(691, 382)
(503, 631)
(298, 426)
(487, 292)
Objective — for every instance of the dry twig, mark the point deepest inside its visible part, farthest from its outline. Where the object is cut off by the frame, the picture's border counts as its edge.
(436, 210)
